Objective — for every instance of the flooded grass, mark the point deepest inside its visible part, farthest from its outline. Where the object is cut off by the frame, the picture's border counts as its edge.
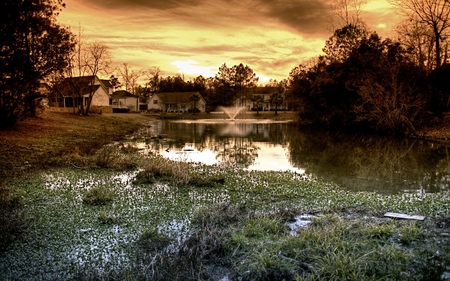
(113, 214)
(89, 224)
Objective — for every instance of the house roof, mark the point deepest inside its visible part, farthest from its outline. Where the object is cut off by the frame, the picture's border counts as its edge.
(72, 85)
(107, 83)
(121, 94)
(177, 97)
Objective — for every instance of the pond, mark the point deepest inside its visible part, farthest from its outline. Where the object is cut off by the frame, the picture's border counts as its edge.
(357, 163)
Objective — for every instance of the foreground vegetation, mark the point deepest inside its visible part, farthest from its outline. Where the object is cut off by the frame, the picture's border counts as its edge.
(115, 215)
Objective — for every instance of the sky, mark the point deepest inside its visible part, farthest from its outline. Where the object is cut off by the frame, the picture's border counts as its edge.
(195, 37)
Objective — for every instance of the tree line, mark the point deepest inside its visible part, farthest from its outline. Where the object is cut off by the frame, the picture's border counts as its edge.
(361, 82)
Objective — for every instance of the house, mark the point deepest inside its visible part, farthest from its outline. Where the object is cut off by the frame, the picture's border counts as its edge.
(108, 86)
(71, 92)
(264, 103)
(124, 100)
(176, 102)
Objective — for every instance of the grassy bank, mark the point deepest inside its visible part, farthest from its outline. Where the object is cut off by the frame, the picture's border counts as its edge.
(112, 214)
(57, 139)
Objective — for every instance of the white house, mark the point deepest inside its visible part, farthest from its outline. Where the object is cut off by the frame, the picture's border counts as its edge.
(123, 99)
(181, 102)
(74, 91)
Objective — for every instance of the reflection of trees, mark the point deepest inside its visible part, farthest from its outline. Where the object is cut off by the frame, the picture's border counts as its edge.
(359, 163)
(238, 151)
(367, 163)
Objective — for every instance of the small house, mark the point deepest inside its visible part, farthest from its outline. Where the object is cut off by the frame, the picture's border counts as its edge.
(71, 92)
(177, 102)
(123, 100)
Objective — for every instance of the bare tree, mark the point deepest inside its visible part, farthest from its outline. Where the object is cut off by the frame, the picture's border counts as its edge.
(347, 12)
(419, 40)
(434, 14)
(96, 59)
(153, 77)
(129, 77)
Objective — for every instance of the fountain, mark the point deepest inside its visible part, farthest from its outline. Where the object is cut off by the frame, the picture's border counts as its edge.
(232, 112)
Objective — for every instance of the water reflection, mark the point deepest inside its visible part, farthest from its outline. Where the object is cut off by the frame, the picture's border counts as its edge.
(357, 163)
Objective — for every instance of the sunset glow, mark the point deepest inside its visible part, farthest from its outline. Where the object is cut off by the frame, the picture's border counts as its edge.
(194, 37)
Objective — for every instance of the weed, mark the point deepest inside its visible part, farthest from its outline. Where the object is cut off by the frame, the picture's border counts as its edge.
(380, 231)
(153, 240)
(98, 196)
(263, 225)
(106, 156)
(411, 232)
(159, 169)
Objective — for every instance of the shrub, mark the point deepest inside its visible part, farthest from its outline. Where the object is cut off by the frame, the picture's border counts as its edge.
(165, 170)
(98, 196)
(153, 240)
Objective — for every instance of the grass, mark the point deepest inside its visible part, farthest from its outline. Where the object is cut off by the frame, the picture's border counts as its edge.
(114, 215)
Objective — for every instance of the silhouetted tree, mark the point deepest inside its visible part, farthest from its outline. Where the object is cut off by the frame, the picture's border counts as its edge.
(344, 40)
(276, 99)
(258, 100)
(439, 81)
(363, 83)
(34, 47)
(238, 79)
(194, 99)
(434, 14)
(154, 78)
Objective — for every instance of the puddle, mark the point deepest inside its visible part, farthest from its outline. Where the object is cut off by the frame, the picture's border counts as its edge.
(301, 222)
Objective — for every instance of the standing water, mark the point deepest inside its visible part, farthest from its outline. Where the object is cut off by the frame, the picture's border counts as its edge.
(369, 163)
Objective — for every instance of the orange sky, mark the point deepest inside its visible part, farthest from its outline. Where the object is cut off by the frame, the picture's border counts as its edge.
(195, 37)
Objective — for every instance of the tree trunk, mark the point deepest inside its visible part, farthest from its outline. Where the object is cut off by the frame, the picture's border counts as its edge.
(438, 47)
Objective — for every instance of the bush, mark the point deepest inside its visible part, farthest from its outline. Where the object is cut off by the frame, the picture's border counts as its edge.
(165, 170)
(98, 196)
(121, 110)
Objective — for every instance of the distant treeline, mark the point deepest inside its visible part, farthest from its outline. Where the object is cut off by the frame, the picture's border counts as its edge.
(364, 83)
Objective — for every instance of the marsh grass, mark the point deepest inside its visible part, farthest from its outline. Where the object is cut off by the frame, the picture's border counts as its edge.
(160, 169)
(100, 224)
(153, 240)
(98, 196)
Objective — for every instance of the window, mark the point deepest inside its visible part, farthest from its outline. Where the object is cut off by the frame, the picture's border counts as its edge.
(155, 101)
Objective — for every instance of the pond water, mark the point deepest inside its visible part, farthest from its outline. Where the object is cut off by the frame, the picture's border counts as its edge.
(368, 163)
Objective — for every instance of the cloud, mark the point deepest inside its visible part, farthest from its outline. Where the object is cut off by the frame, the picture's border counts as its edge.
(139, 4)
(304, 16)
(270, 36)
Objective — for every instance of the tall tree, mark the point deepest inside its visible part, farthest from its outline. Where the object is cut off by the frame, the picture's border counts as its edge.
(239, 79)
(276, 99)
(154, 78)
(435, 14)
(194, 99)
(257, 100)
(34, 47)
(96, 60)
(339, 46)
